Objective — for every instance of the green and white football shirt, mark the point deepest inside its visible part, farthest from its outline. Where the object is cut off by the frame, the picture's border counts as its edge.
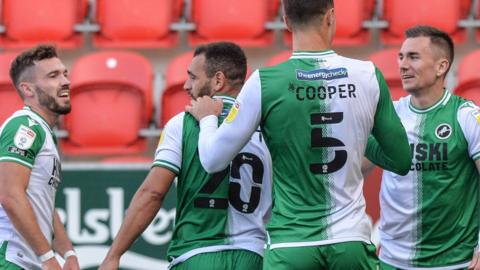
(316, 112)
(26, 139)
(222, 211)
(430, 217)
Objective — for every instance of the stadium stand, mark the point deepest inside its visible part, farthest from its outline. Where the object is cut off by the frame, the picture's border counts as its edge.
(136, 24)
(386, 61)
(29, 22)
(112, 97)
(174, 97)
(469, 77)
(350, 32)
(402, 14)
(278, 58)
(231, 23)
(9, 99)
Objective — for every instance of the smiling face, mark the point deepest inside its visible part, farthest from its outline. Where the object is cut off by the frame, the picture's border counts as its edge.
(421, 64)
(51, 86)
(198, 84)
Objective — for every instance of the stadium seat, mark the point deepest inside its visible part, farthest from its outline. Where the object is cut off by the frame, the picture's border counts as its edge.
(402, 14)
(10, 101)
(371, 190)
(28, 22)
(350, 30)
(469, 77)
(242, 22)
(174, 97)
(137, 24)
(386, 61)
(112, 100)
(279, 58)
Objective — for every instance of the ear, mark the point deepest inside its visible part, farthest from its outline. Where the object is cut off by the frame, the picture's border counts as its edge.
(287, 23)
(218, 81)
(27, 89)
(330, 17)
(442, 67)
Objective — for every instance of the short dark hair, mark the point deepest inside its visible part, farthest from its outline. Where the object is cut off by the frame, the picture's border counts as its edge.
(437, 37)
(27, 59)
(226, 57)
(302, 12)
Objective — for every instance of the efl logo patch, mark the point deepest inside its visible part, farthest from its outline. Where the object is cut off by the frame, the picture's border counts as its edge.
(24, 137)
(162, 136)
(321, 74)
(476, 114)
(233, 112)
(443, 131)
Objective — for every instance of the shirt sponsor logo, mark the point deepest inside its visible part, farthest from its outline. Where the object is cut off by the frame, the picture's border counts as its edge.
(24, 137)
(321, 74)
(233, 112)
(443, 131)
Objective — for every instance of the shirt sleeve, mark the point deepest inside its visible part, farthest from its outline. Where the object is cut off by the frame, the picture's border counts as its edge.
(169, 151)
(389, 146)
(468, 117)
(20, 141)
(218, 146)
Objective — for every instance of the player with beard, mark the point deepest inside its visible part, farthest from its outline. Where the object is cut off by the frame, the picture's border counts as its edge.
(30, 227)
(219, 223)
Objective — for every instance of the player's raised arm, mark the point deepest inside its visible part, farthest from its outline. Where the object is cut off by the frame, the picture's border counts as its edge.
(388, 146)
(217, 147)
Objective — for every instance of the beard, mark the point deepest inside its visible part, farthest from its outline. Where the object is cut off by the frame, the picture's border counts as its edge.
(204, 91)
(50, 103)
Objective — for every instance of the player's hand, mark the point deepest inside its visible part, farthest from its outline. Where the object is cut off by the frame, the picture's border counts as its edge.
(475, 264)
(204, 106)
(71, 263)
(110, 263)
(51, 264)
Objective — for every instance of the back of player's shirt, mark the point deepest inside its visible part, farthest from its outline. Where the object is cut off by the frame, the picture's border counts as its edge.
(221, 211)
(317, 112)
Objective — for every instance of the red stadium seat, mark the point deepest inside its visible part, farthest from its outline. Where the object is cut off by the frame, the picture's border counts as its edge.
(174, 97)
(371, 190)
(403, 14)
(226, 20)
(351, 14)
(469, 77)
(111, 100)
(386, 61)
(10, 101)
(137, 24)
(30, 22)
(279, 58)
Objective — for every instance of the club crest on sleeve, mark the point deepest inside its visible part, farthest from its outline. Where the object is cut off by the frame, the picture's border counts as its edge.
(233, 112)
(24, 137)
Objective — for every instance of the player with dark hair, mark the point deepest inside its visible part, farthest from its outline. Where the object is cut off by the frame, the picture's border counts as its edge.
(30, 227)
(430, 217)
(220, 217)
(316, 111)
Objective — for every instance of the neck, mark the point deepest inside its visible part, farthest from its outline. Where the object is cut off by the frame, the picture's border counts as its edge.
(427, 97)
(50, 117)
(310, 40)
(231, 92)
